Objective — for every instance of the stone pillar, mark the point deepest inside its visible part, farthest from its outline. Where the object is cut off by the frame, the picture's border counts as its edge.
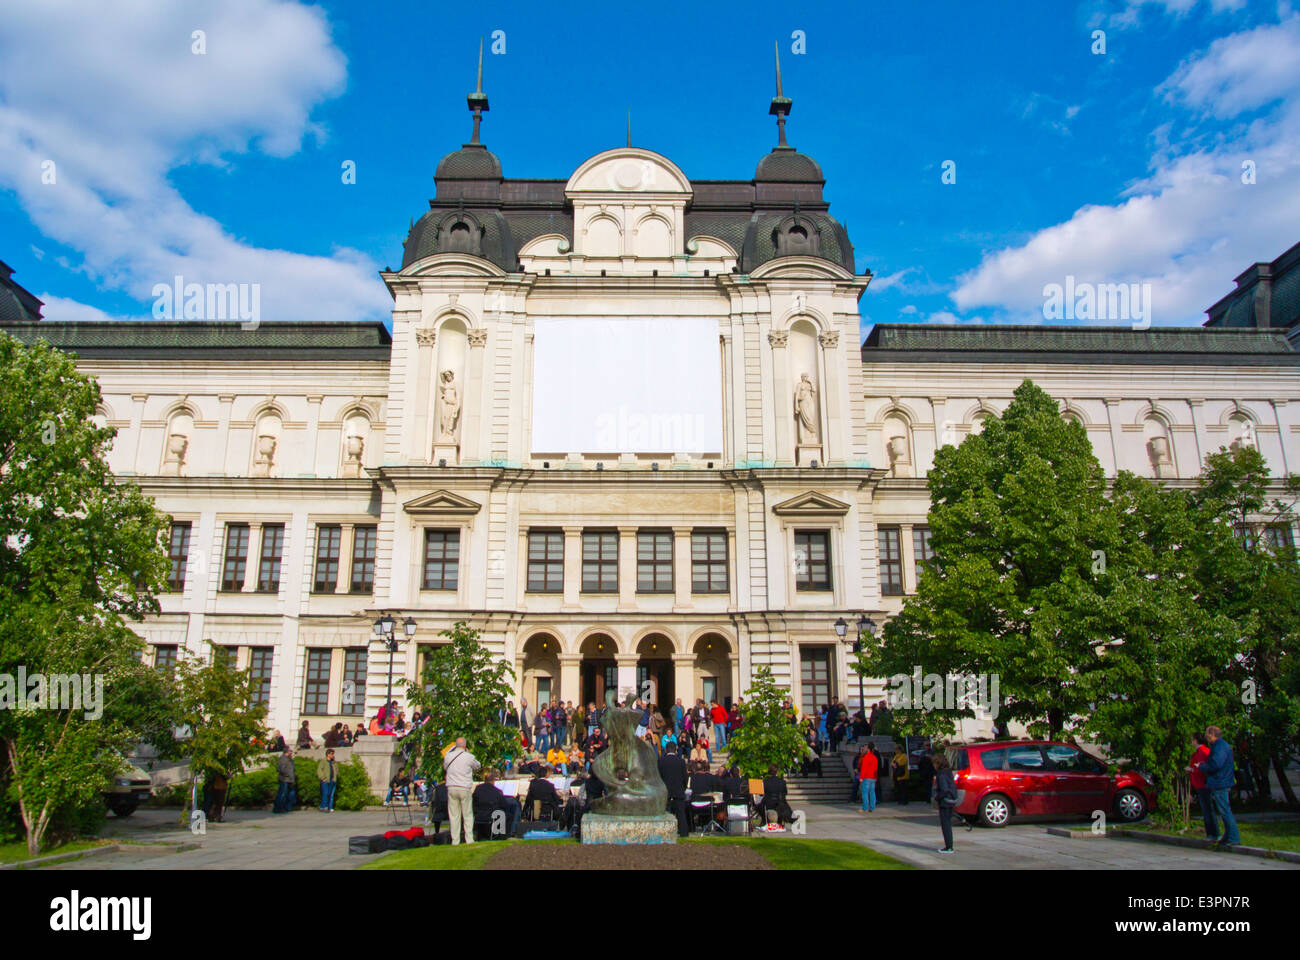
(626, 666)
(908, 556)
(682, 567)
(570, 677)
(137, 428)
(683, 680)
(784, 398)
(572, 567)
(312, 465)
(421, 443)
(1112, 417)
(626, 567)
(223, 439)
(472, 391)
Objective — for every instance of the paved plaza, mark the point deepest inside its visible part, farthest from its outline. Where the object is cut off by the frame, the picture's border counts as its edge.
(309, 840)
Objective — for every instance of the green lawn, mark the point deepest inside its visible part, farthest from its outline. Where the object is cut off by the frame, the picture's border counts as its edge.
(788, 853)
(13, 852)
(1268, 834)
(784, 853)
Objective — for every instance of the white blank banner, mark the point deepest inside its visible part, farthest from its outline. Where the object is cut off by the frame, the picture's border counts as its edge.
(614, 385)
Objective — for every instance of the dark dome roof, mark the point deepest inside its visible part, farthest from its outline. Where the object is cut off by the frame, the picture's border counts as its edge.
(787, 164)
(471, 162)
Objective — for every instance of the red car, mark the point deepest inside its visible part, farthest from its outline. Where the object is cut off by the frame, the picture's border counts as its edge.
(1006, 778)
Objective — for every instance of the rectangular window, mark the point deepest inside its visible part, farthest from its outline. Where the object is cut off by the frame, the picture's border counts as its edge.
(259, 664)
(654, 561)
(709, 561)
(236, 562)
(268, 571)
(316, 688)
(812, 549)
(921, 548)
(354, 683)
(1278, 538)
(441, 559)
(225, 656)
(363, 559)
(178, 552)
(891, 562)
(164, 658)
(328, 542)
(600, 561)
(545, 561)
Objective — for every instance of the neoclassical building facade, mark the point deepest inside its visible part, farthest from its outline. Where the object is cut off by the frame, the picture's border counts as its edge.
(623, 425)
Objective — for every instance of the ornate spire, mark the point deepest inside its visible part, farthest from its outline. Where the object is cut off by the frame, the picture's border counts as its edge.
(478, 101)
(781, 104)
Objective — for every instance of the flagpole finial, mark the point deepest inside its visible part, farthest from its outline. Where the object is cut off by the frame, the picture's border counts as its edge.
(781, 104)
(478, 101)
(629, 128)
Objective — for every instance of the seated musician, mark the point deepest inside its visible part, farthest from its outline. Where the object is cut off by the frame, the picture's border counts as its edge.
(774, 795)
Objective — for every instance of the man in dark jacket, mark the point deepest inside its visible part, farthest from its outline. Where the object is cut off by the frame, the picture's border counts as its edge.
(488, 797)
(541, 791)
(1218, 770)
(287, 780)
(774, 796)
(672, 771)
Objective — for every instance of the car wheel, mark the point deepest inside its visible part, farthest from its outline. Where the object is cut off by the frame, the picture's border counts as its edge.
(995, 810)
(1130, 805)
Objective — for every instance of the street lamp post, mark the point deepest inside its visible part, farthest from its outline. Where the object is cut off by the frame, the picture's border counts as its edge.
(867, 628)
(385, 630)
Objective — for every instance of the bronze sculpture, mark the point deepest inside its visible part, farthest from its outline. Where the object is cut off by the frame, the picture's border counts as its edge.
(629, 767)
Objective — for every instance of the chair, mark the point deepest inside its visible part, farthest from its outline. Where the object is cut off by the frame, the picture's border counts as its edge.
(483, 814)
(396, 818)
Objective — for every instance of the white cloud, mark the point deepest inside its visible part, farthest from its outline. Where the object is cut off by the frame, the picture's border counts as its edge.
(879, 284)
(1191, 225)
(1130, 14)
(113, 95)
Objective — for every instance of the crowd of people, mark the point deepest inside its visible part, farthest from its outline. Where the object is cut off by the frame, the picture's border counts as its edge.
(566, 736)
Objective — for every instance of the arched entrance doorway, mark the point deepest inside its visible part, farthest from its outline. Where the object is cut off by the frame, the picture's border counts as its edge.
(654, 671)
(599, 668)
(712, 669)
(539, 681)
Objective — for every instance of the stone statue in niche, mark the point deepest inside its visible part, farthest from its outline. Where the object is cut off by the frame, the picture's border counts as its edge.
(449, 395)
(265, 458)
(805, 411)
(177, 445)
(1161, 462)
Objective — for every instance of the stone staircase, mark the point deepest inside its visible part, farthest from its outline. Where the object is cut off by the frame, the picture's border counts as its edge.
(833, 786)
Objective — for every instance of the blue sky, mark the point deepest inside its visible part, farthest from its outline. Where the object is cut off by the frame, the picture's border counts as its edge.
(225, 167)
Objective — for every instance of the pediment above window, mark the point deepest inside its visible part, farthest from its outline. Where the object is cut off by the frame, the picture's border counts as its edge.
(811, 504)
(442, 503)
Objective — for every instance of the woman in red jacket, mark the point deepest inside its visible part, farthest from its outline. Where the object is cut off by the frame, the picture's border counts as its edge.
(1202, 792)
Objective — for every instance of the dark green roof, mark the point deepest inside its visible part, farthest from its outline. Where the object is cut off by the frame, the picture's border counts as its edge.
(917, 342)
(212, 340)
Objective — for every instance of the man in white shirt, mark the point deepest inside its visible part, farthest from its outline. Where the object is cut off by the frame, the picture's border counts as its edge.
(460, 766)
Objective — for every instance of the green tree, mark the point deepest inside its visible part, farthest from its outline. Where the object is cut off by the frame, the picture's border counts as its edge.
(81, 554)
(1160, 669)
(217, 710)
(1018, 518)
(1255, 579)
(463, 690)
(766, 735)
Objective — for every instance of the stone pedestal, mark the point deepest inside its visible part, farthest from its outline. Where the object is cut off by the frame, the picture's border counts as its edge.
(597, 828)
(376, 755)
(806, 453)
(446, 451)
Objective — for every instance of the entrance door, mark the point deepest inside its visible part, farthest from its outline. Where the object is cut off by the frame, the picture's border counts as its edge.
(597, 677)
(654, 682)
(710, 688)
(814, 678)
